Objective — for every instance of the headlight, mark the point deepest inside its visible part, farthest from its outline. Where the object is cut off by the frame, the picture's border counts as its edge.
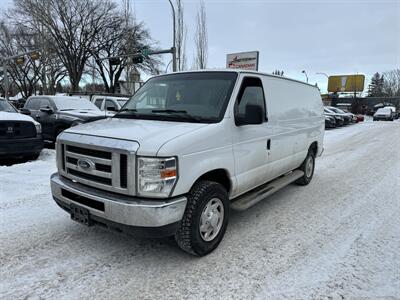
(156, 177)
(38, 128)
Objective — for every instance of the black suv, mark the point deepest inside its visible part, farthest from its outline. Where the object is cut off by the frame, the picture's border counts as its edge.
(57, 113)
(20, 136)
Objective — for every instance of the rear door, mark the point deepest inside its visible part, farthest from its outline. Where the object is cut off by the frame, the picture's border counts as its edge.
(251, 143)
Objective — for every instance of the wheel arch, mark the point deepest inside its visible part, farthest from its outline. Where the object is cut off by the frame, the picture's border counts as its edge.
(314, 148)
(220, 176)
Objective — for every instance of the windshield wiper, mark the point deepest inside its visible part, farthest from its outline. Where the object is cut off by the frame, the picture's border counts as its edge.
(169, 111)
(126, 112)
(179, 114)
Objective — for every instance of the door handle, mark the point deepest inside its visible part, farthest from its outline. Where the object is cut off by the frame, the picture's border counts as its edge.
(269, 144)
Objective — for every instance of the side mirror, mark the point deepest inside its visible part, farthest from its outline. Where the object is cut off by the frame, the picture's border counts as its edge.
(46, 109)
(254, 115)
(111, 108)
(25, 111)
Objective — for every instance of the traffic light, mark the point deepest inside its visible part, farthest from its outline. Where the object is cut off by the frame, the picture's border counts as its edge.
(145, 52)
(20, 60)
(137, 59)
(114, 61)
(34, 55)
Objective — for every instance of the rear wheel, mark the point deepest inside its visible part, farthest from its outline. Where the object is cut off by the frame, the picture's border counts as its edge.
(307, 167)
(205, 219)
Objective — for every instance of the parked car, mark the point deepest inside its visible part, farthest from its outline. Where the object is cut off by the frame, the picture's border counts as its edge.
(213, 140)
(347, 117)
(330, 122)
(338, 118)
(20, 135)
(394, 112)
(360, 118)
(109, 103)
(385, 114)
(56, 113)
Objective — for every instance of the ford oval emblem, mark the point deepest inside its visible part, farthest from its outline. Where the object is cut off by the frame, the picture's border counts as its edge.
(85, 164)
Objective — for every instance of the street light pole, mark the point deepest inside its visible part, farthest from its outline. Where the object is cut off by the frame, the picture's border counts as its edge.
(321, 73)
(305, 73)
(174, 38)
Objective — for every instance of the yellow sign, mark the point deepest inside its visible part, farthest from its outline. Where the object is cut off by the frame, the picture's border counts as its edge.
(346, 83)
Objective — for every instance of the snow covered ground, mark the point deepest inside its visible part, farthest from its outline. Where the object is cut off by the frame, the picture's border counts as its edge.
(338, 238)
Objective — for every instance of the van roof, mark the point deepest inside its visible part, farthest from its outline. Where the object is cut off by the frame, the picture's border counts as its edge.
(239, 71)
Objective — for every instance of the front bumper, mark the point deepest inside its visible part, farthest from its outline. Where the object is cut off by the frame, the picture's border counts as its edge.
(20, 147)
(155, 217)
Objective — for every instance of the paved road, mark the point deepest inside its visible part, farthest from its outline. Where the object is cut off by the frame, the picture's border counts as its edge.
(338, 237)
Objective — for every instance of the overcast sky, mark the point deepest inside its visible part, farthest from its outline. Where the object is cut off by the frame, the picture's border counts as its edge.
(334, 37)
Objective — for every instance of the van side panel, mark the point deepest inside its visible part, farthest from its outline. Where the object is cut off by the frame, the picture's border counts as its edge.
(295, 112)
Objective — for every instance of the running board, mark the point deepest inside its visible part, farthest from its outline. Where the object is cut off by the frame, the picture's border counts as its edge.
(253, 197)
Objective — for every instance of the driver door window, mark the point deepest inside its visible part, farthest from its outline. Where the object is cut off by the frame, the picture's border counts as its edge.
(98, 102)
(251, 92)
(44, 103)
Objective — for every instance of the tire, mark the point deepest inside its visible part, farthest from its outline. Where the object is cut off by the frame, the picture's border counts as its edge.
(189, 236)
(307, 169)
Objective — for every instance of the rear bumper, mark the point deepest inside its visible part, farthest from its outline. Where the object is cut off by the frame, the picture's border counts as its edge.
(145, 217)
(382, 118)
(20, 147)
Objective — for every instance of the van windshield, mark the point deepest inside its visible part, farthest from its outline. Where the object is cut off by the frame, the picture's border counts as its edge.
(185, 97)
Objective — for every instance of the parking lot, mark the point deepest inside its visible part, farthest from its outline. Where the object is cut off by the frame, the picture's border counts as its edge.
(337, 237)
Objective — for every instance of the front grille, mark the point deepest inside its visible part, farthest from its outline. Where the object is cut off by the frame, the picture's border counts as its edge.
(91, 177)
(89, 152)
(123, 170)
(17, 130)
(99, 167)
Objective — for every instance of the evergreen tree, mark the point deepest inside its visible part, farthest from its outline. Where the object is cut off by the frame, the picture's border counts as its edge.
(375, 88)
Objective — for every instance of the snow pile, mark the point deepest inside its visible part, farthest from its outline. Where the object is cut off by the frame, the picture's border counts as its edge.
(336, 238)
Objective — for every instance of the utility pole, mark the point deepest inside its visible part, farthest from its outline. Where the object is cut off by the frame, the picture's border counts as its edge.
(5, 79)
(173, 49)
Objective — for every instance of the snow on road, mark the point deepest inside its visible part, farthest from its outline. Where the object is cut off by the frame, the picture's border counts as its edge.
(337, 238)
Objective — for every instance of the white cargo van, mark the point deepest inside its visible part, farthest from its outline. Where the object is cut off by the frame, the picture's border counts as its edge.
(186, 149)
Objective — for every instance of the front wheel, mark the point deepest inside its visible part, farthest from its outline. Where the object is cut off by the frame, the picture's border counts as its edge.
(205, 219)
(307, 167)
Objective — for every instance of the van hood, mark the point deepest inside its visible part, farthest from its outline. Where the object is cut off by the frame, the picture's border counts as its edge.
(150, 134)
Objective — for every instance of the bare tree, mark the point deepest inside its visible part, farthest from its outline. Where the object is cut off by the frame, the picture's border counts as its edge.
(181, 33)
(391, 83)
(201, 38)
(15, 40)
(72, 26)
(121, 39)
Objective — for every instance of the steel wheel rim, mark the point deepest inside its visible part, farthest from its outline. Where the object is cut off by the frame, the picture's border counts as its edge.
(309, 166)
(211, 219)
